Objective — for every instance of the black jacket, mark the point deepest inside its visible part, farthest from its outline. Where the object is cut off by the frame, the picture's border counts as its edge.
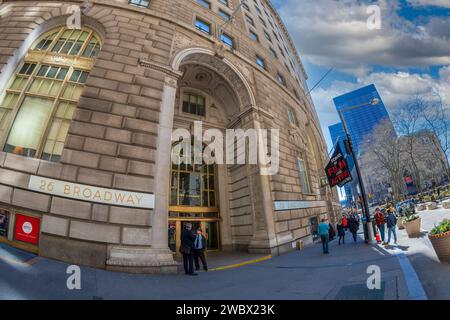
(353, 224)
(187, 241)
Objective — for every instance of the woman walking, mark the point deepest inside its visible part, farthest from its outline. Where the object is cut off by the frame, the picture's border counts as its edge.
(341, 231)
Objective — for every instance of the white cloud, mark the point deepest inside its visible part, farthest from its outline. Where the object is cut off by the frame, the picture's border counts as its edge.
(335, 33)
(424, 3)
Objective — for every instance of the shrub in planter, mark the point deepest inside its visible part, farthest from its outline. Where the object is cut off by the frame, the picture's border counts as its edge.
(412, 225)
(440, 239)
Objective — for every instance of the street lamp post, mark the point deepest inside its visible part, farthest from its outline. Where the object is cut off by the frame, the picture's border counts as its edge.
(365, 205)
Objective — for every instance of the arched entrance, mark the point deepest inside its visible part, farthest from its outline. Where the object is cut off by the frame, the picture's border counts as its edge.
(193, 198)
(212, 90)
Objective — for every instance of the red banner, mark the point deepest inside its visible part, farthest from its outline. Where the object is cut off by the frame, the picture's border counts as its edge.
(27, 229)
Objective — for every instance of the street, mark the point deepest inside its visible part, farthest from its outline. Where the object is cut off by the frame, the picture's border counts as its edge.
(298, 275)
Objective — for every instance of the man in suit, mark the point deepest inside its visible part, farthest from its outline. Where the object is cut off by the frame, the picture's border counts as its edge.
(187, 249)
(199, 250)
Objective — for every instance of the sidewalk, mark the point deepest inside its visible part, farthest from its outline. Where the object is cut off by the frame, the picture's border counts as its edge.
(298, 275)
(434, 276)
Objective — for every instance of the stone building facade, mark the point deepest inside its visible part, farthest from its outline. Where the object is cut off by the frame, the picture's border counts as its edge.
(87, 111)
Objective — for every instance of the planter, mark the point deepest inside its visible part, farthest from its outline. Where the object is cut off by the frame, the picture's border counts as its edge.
(421, 207)
(446, 204)
(441, 244)
(432, 206)
(413, 228)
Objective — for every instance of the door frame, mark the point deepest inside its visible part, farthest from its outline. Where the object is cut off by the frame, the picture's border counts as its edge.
(202, 221)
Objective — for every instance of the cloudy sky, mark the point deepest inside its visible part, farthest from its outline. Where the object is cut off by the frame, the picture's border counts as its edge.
(409, 55)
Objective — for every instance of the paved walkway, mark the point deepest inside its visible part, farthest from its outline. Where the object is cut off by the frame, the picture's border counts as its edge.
(434, 276)
(298, 275)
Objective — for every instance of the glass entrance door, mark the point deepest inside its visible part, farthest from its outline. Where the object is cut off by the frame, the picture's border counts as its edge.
(209, 228)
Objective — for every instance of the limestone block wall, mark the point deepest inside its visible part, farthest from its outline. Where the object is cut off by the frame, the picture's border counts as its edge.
(113, 138)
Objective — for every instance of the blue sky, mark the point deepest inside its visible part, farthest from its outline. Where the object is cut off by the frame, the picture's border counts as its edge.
(409, 55)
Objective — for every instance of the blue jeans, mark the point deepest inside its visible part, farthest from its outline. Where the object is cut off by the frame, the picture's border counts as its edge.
(392, 230)
(382, 230)
(325, 239)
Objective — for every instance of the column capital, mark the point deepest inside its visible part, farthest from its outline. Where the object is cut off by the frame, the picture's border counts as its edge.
(167, 70)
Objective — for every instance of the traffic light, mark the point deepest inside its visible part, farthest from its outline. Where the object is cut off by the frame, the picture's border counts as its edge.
(348, 146)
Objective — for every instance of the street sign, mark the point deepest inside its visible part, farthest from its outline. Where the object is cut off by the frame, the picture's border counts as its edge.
(337, 170)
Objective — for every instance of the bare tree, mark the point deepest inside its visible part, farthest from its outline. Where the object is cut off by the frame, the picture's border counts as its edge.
(384, 152)
(437, 120)
(407, 121)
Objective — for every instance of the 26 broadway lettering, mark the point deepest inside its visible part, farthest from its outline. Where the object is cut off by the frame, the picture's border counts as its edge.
(247, 310)
(90, 194)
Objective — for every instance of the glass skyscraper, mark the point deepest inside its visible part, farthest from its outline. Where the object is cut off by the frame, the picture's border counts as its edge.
(361, 118)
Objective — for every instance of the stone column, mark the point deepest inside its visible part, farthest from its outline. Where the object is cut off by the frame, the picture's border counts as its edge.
(158, 258)
(225, 224)
(162, 167)
(264, 237)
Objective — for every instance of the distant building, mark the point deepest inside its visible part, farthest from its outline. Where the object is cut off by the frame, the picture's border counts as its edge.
(361, 118)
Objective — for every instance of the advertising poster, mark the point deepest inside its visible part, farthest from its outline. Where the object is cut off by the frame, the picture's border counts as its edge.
(337, 170)
(27, 229)
(4, 223)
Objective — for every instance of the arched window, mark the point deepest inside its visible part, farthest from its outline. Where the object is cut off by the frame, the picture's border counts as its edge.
(40, 100)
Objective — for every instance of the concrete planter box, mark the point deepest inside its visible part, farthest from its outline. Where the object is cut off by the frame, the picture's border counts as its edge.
(441, 245)
(413, 228)
(421, 207)
(432, 206)
(446, 204)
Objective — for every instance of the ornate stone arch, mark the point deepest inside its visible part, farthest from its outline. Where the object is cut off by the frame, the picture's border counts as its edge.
(224, 67)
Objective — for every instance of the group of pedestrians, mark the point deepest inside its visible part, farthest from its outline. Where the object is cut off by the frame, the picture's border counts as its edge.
(386, 218)
(193, 248)
(351, 221)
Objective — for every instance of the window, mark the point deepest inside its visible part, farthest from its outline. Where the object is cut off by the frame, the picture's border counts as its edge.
(249, 20)
(140, 3)
(194, 104)
(224, 2)
(281, 79)
(204, 4)
(260, 62)
(254, 36)
(40, 101)
(245, 6)
(225, 16)
(267, 36)
(303, 175)
(273, 53)
(291, 116)
(192, 184)
(203, 26)
(263, 22)
(228, 40)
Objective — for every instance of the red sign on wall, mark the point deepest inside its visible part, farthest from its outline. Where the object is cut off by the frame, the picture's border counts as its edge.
(27, 229)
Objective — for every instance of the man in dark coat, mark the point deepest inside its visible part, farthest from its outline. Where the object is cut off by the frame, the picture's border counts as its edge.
(187, 249)
(353, 226)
